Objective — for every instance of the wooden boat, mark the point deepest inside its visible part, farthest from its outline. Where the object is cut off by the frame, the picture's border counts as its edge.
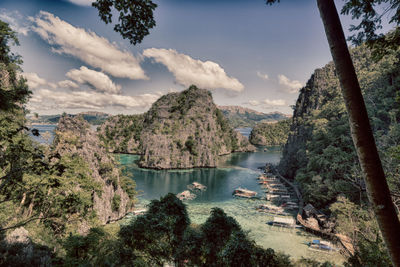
(197, 186)
(283, 222)
(186, 195)
(277, 191)
(261, 177)
(269, 208)
(321, 245)
(271, 196)
(242, 192)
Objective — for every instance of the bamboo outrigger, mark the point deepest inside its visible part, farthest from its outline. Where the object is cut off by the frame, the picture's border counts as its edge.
(242, 192)
(283, 222)
(271, 209)
(186, 195)
(197, 186)
(321, 245)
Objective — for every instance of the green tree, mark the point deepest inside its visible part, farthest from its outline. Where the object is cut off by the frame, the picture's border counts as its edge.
(135, 17)
(159, 233)
(217, 231)
(370, 14)
(377, 187)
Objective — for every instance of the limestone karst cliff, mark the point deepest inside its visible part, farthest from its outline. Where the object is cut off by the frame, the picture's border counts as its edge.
(74, 138)
(187, 130)
(181, 130)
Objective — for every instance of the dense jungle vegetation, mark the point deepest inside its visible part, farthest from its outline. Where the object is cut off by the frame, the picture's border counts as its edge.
(48, 197)
(320, 155)
(270, 134)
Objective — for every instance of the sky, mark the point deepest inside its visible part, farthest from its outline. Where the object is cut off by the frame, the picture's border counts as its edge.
(245, 52)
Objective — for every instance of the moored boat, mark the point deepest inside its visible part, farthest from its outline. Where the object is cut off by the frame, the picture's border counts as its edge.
(321, 245)
(186, 195)
(197, 186)
(243, 192)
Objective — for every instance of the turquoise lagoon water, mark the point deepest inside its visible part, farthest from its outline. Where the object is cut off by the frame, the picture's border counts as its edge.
(238, 169)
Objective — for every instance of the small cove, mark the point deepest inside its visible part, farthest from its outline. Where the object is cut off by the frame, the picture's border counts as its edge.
(237, 169)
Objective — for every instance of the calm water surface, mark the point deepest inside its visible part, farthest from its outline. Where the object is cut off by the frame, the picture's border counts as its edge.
(238, 169)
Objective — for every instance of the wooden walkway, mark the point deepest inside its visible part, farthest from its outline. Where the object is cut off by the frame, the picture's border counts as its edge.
(295, 189)
(345, 241)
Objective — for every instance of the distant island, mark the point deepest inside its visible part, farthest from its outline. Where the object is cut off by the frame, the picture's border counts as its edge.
(241, 117)
(270, 133)
(181, 130)
(92, 117)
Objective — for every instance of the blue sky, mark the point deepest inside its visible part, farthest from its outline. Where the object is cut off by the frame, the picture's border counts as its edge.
(245, 52)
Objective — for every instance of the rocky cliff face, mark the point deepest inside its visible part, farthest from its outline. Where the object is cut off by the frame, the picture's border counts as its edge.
(316, 93)
(121, 133)
(187, 130)
(320, 105)
(73, 137)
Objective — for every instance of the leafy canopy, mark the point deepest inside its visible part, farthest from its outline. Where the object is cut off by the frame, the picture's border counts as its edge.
(135, 17)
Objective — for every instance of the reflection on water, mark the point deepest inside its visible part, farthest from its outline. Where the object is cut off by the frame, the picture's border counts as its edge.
(238, 169)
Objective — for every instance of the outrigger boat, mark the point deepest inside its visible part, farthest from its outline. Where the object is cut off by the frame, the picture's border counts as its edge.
(186, 195)
(242, 192)
(271, 209)
(197, 186)
(283, 222)
(321, 245)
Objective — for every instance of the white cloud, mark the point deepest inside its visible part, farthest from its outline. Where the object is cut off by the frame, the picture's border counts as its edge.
(254, 102)
(187, 71)
(291, 86)
(96, 80)
(274, 103)
(33, 80)
(68, 84)
(45, 99)
(262, 76)
(15, 20)
(267, 103)
(87, 46)
(82, 2)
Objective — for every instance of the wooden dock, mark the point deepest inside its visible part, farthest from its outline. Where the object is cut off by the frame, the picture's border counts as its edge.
(344, 241)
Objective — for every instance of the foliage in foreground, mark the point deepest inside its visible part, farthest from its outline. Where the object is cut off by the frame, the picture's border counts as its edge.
(164, 235)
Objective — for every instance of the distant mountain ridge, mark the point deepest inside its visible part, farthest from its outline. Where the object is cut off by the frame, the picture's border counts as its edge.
(241, 117)
(93, 117)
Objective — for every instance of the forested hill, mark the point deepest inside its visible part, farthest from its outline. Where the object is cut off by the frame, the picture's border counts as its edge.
(241, 117)
(320, 154)
(270, 134)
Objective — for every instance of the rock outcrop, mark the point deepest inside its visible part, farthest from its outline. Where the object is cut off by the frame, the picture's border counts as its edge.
(74, 137)
(187, 130)
(121, 133)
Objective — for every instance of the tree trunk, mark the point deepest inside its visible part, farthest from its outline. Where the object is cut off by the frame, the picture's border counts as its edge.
(377, 188)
